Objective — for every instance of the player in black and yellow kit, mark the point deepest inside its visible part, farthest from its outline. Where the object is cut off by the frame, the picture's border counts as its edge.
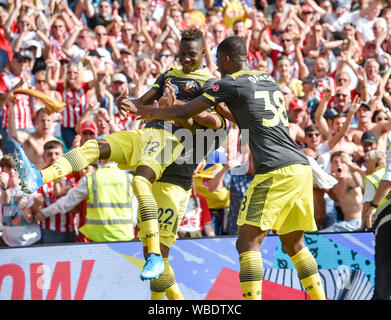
(149, 152)
(280, 195)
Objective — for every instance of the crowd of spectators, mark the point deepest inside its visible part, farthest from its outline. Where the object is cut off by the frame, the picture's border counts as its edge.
(332, 60)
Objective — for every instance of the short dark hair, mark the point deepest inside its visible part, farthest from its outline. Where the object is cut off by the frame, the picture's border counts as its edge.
(52, 144)
(234, 47)
(310, 128)
(192, 35)
(7, 161)
(336, 154)
(339, 115)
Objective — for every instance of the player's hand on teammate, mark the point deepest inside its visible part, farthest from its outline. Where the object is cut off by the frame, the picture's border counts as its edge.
(144, 112)
(124, 105)
(169, 97)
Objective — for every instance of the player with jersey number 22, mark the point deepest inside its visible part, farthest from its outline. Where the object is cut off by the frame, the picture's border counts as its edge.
(280, 196)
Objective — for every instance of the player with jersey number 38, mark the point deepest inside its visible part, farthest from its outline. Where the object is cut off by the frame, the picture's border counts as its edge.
(280, 196)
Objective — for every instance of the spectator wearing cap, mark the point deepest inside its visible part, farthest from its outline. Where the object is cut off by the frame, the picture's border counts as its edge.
(36, 48)
(88, 131)
(299, 119)
(306, 14)
(364, 118)
(368, 141)
(309, 85)
(380, 128)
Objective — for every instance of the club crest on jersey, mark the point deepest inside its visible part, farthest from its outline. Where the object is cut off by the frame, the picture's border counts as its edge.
(214, 87)
(189, 85)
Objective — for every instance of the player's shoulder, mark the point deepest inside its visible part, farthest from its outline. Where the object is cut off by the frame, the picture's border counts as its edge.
(202, 74)
(251, 75)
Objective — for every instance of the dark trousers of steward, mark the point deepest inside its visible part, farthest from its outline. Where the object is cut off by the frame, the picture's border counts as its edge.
(382, 231)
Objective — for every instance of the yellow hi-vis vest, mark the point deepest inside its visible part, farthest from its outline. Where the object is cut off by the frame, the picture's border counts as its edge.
(375, 178)
(109, 206)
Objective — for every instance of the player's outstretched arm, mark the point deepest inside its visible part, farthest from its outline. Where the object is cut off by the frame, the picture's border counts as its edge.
(176, 112)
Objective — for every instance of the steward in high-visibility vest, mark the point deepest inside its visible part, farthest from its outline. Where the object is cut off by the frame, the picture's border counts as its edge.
(109, 206)
(375, 178)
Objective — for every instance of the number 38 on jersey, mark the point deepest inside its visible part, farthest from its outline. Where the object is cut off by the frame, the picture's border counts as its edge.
(274, 102)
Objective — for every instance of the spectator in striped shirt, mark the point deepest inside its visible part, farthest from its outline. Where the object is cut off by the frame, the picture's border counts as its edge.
(75, 93)
(59, 228)
(9, 81)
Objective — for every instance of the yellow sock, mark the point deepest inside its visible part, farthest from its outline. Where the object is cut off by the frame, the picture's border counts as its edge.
(159, 285)
(173, 292)
(307, 270)
(73, 161)
(251, 274)
(147, 208)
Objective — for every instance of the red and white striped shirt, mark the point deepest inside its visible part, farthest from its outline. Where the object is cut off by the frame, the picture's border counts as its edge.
(76, 103)
(59, 222)
(123, 124)
(323, 83)
(56, 48)
(22, 109)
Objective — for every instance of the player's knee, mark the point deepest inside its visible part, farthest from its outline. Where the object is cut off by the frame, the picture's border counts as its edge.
(141, 185)
(146, 172)
(104, 149)
(291, 248)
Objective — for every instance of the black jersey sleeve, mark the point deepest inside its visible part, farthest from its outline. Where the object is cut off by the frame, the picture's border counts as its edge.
(208, 83)
(221, 91)
(159, 83)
